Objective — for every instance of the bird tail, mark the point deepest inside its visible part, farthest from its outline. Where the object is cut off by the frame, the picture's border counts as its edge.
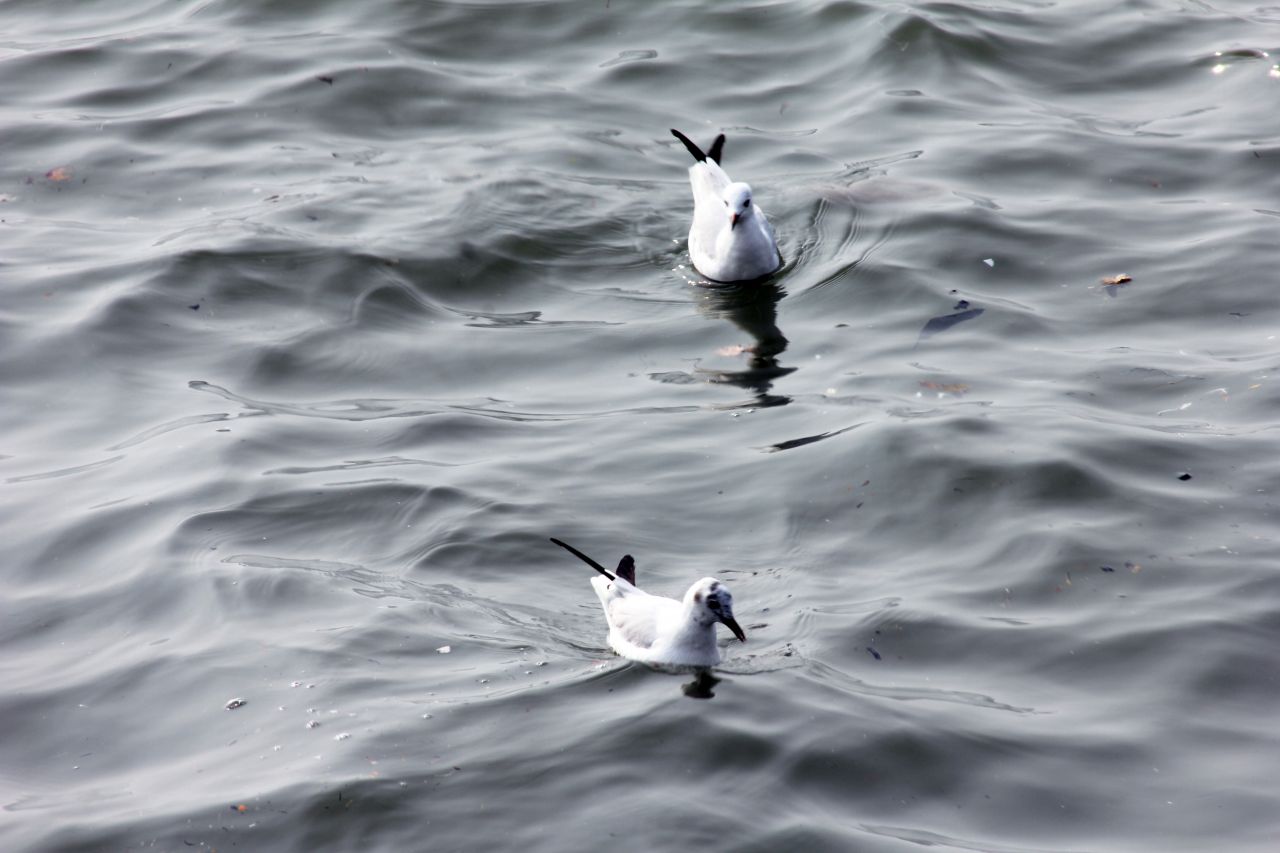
(717, 147)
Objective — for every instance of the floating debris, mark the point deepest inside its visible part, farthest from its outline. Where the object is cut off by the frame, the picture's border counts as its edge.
(236, 703)
(633, 56)
(946, 321)
(1116, 280)
(444, 650)
(1184, 476)
(1223, 59)
(957, 388)
(61, 173)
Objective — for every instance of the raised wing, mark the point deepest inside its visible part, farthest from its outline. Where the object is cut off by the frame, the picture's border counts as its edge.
(627, 569)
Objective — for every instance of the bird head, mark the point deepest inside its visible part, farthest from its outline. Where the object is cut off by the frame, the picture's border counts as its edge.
(711, 602)
(737, 201)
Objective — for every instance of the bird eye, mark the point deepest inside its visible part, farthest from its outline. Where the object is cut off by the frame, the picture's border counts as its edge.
(713, 603)
(746, 202)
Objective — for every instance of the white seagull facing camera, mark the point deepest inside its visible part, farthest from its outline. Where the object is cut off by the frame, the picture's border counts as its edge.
(661, 631)
(731, 238)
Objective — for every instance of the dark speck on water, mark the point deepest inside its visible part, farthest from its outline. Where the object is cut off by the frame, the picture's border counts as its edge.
(946, 321)
(455, 311)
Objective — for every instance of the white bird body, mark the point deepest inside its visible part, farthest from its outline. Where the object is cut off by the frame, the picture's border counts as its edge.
(660, 631)
(731, 238)
(657, 630)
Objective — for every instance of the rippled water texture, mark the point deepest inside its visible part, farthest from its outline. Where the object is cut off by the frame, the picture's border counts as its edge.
(319, 318)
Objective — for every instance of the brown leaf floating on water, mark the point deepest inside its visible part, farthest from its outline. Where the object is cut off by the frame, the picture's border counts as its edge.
(1117, 280)
(956, 388)
(61, 173)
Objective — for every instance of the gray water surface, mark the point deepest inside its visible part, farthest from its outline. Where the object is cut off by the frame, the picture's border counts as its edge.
(317, 319)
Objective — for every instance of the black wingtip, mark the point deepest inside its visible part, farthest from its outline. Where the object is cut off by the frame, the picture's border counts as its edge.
(627, 569)
(584, 558)
(717, 148)
(688, 143)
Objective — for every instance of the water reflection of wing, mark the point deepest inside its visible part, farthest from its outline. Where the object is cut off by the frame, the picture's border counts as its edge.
(753, 308)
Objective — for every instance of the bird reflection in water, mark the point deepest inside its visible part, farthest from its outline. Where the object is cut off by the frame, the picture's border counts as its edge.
(753, 308)
(701, 686)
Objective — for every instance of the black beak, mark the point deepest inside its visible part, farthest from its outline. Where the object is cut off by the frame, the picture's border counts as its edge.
(732, 625)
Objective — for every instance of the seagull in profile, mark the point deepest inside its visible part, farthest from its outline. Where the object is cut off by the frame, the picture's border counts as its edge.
(661, 631)
(731, 238)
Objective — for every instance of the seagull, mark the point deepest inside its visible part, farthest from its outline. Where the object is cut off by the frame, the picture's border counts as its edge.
(731, 238)
(661, 631)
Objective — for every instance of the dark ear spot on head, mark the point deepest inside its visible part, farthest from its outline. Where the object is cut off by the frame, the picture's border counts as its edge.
(697, 598)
